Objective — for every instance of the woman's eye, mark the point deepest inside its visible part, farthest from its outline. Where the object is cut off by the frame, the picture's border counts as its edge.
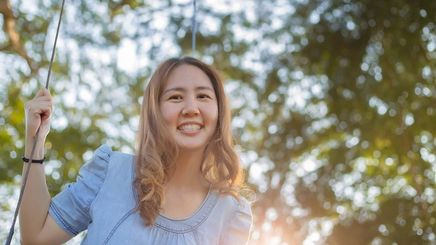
(202, 96)
(175, 97)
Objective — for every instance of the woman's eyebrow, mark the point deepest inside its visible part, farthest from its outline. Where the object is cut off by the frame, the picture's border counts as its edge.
(183, 89)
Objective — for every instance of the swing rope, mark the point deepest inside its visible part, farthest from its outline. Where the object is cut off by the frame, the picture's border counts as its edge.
(194, 26)
(35, 138)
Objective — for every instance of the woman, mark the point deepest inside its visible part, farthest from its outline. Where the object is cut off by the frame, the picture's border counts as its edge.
(181, 187)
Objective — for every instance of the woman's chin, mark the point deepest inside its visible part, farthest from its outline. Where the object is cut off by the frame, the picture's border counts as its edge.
(190, 147)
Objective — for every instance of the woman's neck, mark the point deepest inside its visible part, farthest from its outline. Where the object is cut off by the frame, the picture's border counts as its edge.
(187, 174)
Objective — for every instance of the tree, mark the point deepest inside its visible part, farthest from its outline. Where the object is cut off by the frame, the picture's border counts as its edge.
(360, 150)
(333, 102)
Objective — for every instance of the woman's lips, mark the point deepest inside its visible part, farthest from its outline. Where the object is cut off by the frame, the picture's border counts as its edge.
(190, 129)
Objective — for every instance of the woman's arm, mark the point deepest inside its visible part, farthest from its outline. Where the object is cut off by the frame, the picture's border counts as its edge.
(36, 226)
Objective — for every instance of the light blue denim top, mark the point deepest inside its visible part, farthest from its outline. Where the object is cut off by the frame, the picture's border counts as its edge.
(102, 201)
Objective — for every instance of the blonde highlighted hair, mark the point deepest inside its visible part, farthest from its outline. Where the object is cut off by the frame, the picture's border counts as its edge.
(156, 151)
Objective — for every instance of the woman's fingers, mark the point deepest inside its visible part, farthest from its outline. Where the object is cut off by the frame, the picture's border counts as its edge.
(43, 93)
(42, 99)
(38, 113)
(40, 93)
(40, 107)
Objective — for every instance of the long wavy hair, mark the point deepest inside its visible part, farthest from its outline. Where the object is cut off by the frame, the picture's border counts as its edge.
(156, 150)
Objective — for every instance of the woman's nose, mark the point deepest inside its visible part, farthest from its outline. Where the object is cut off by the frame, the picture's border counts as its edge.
(190, 108)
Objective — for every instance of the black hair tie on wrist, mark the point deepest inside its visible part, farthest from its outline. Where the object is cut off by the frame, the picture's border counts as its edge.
(33, 160)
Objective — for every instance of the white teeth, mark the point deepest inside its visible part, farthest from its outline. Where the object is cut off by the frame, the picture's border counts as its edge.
(190, 127)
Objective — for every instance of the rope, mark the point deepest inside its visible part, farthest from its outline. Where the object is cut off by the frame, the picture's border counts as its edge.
(27, 168)
(54, 45)
(194, 26)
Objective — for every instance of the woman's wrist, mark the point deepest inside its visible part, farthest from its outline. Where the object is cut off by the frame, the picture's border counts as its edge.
(39, 149)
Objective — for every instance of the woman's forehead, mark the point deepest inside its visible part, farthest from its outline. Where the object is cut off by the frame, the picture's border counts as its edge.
(185, 77)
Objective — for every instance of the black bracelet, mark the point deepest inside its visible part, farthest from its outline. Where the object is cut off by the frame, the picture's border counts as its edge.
(33, 160)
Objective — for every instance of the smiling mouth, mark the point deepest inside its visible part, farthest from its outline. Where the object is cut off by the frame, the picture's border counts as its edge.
(190, 128)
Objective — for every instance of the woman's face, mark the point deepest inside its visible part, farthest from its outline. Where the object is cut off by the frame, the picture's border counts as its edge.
(189, 107)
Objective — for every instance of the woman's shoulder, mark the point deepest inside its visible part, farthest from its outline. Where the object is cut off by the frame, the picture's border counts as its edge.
(105, 172)
(237, 217)
(234, 204)
(106, 162)
(109, 171)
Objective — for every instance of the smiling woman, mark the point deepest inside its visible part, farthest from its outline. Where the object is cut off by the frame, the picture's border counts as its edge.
(182, 186)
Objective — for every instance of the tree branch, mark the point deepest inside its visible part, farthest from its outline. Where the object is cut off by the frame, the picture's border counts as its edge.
(9, 27)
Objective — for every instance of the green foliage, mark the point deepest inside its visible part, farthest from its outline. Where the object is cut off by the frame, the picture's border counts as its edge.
(333, 101)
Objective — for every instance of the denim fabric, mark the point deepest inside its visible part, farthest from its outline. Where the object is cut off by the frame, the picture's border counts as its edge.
(102, 201)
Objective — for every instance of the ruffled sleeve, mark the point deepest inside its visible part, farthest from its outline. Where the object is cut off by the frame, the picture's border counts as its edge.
(71, 207)
(239, 226)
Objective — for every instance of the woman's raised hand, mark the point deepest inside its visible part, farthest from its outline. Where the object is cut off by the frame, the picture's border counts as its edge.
(38, 112)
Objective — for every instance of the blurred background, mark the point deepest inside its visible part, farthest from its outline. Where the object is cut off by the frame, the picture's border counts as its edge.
(333, 103)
